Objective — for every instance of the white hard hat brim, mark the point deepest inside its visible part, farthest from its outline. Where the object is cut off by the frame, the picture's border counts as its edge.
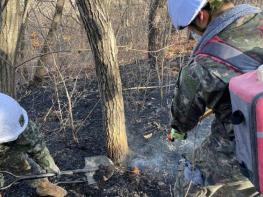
(10, 114)
(183, 12)
(12, 136)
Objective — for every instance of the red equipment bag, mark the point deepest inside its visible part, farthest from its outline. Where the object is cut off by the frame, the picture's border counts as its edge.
(247, 106)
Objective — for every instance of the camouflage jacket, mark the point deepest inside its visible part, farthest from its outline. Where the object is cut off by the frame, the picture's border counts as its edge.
(204, 83)
(30, 142)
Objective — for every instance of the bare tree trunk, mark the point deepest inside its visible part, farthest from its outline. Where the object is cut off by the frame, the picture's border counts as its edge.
(43, 62)
(9, 26)
(157, 36)
(103, 44)
(159, 32)
(22, 37)
(21, 40)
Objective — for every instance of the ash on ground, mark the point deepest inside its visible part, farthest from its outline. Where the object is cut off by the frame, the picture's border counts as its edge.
(157, 156)
(147, 112)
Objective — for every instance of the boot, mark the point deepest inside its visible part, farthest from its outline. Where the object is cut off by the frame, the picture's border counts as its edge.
(46, 188)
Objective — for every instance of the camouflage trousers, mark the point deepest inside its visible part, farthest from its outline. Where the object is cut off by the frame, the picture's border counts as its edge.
(14, 160)
(215, 158)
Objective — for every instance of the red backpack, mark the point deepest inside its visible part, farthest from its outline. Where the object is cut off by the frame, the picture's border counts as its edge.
(247, 105)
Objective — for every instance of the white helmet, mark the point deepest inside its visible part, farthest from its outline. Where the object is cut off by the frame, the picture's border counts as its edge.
(183, 12)
(10, 114)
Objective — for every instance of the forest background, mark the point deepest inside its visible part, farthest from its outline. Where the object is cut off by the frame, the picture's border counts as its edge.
(98, 77)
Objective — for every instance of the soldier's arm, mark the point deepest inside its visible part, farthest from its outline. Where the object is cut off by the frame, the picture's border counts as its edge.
(196, 89)
(32, 142)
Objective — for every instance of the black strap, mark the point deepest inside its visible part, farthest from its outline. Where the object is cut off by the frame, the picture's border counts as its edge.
(231, 55)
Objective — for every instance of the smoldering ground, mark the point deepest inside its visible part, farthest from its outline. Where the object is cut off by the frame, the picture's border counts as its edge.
(156, 157)
(153, 154)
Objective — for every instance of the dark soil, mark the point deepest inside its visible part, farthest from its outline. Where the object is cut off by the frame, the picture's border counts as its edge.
(145, 112)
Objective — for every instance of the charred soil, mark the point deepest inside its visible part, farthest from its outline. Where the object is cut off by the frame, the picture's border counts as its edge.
(147, 120)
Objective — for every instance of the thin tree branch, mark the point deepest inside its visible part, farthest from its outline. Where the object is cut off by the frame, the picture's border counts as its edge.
(78, 50)
(49, 53)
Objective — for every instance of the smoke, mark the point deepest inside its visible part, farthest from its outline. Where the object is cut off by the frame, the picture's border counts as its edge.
(153, 162)
(157, 156)
(155, 159)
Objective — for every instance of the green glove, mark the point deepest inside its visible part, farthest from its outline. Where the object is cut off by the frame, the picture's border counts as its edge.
(175, 135)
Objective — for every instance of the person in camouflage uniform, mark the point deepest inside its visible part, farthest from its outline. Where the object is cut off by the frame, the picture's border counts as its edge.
(204, 84)
(14, 157)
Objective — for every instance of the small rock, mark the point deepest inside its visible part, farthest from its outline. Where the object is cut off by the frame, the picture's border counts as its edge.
(160, 183)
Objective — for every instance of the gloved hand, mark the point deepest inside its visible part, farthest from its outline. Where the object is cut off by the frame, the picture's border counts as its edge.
(53, 168)
(176, 135)
(46, 161)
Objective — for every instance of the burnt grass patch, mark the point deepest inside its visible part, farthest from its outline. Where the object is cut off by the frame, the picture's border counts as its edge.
(147, 112)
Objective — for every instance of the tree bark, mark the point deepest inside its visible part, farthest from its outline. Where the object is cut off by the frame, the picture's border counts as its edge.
(103, 45)
(9, 26)
(43, 62)
(158, 35)
(21, 45)
(22, 36)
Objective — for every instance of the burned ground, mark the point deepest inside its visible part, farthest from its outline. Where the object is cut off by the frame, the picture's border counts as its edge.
(155, 157)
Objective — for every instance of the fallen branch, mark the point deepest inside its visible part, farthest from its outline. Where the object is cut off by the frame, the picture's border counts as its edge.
(148, 87)
(136, 88)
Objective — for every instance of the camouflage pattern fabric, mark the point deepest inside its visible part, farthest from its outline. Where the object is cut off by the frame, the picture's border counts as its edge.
(221, 172)
(216, 4)
(204, 83)
(222, 177)
(14, 155)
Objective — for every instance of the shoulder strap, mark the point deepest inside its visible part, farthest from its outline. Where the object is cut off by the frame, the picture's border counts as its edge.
(230, 55)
